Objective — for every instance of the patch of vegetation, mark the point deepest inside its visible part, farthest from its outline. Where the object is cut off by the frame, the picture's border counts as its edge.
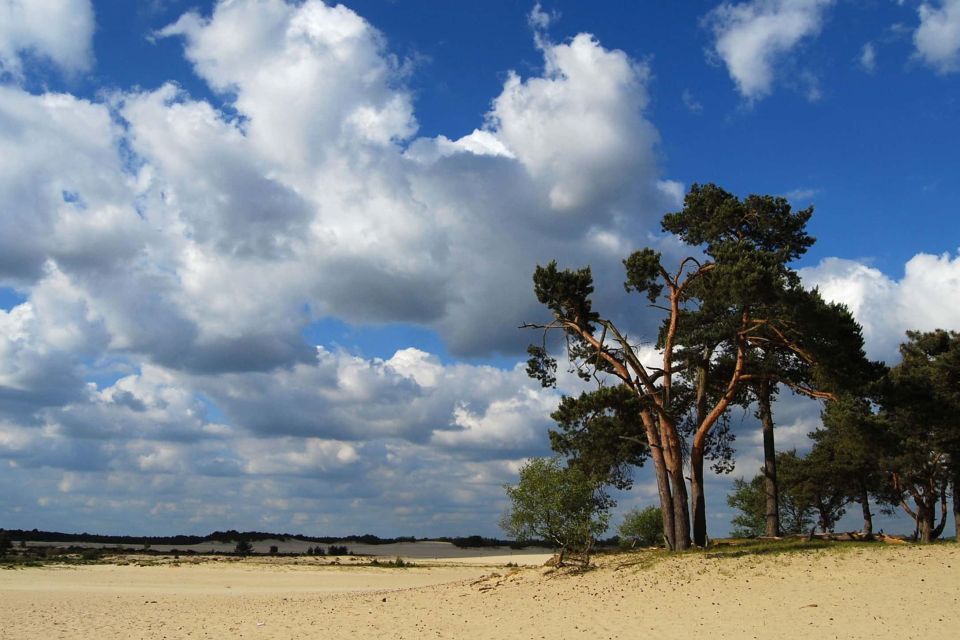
(44, 556)
(557, 503)
(642, 527)
(757, 547)
(230, 536)
(398, 563)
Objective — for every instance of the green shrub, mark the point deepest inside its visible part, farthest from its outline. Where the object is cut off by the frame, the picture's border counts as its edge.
(558, 504)
(643, 527)
(91, 554)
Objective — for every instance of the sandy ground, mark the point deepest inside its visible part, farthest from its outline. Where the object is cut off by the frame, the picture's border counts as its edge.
(882, 592)
(422, 551)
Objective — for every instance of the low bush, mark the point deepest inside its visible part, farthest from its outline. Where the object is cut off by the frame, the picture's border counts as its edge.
(642, 527)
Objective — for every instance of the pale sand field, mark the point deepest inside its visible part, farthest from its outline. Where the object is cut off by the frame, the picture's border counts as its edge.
(883, 592)
(423, 551)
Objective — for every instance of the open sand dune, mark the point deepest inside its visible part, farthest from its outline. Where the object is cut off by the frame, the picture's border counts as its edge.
(882, 592)
(421, 551)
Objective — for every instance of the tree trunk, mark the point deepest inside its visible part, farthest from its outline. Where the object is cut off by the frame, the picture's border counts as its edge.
(943, 513)
(681, 515)
(867, 516)
(764, 399)
(666, 498)
(697, 499)
(956, 503)
(925, 517)
(663, 479)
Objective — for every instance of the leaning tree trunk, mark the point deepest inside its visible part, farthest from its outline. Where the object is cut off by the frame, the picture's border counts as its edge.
(681, 515)
(663, 479)
(697, 499)
(764, 400)
(666, 497)
(705, 421)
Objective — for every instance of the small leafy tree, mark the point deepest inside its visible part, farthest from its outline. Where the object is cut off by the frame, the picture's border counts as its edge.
(642, 527)
(816, 483)
(850, 449)
(750, 500)
(795, 504)
(559, 504)
(243, 548)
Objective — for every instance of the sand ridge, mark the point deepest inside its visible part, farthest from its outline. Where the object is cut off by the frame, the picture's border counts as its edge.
(880, 592)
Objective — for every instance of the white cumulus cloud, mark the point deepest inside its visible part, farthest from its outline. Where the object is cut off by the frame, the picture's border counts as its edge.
(752, 37)
(60, 31)
(579, 128)
(937, 38)
(927, 297)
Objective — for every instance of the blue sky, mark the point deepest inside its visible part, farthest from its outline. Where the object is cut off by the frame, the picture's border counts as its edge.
(262, 263)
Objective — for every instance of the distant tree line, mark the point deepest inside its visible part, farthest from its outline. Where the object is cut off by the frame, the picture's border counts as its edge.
(233, 536)
(35, 535)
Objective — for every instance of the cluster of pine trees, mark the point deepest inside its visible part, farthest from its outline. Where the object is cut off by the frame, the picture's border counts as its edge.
(738, 328)
(896, 444)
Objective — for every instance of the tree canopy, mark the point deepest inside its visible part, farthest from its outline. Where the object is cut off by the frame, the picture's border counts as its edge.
(921, 411)
(737, 327)
(735, 315)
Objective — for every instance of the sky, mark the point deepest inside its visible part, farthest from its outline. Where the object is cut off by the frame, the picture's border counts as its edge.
(263, 263)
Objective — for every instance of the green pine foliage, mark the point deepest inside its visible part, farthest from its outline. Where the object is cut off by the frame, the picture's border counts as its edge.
(796, 504)
(749, 499)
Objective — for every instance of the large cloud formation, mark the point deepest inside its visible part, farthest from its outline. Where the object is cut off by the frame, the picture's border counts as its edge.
(172, 251)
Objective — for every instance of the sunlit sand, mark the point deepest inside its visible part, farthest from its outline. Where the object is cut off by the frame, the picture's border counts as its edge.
(877, 592)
